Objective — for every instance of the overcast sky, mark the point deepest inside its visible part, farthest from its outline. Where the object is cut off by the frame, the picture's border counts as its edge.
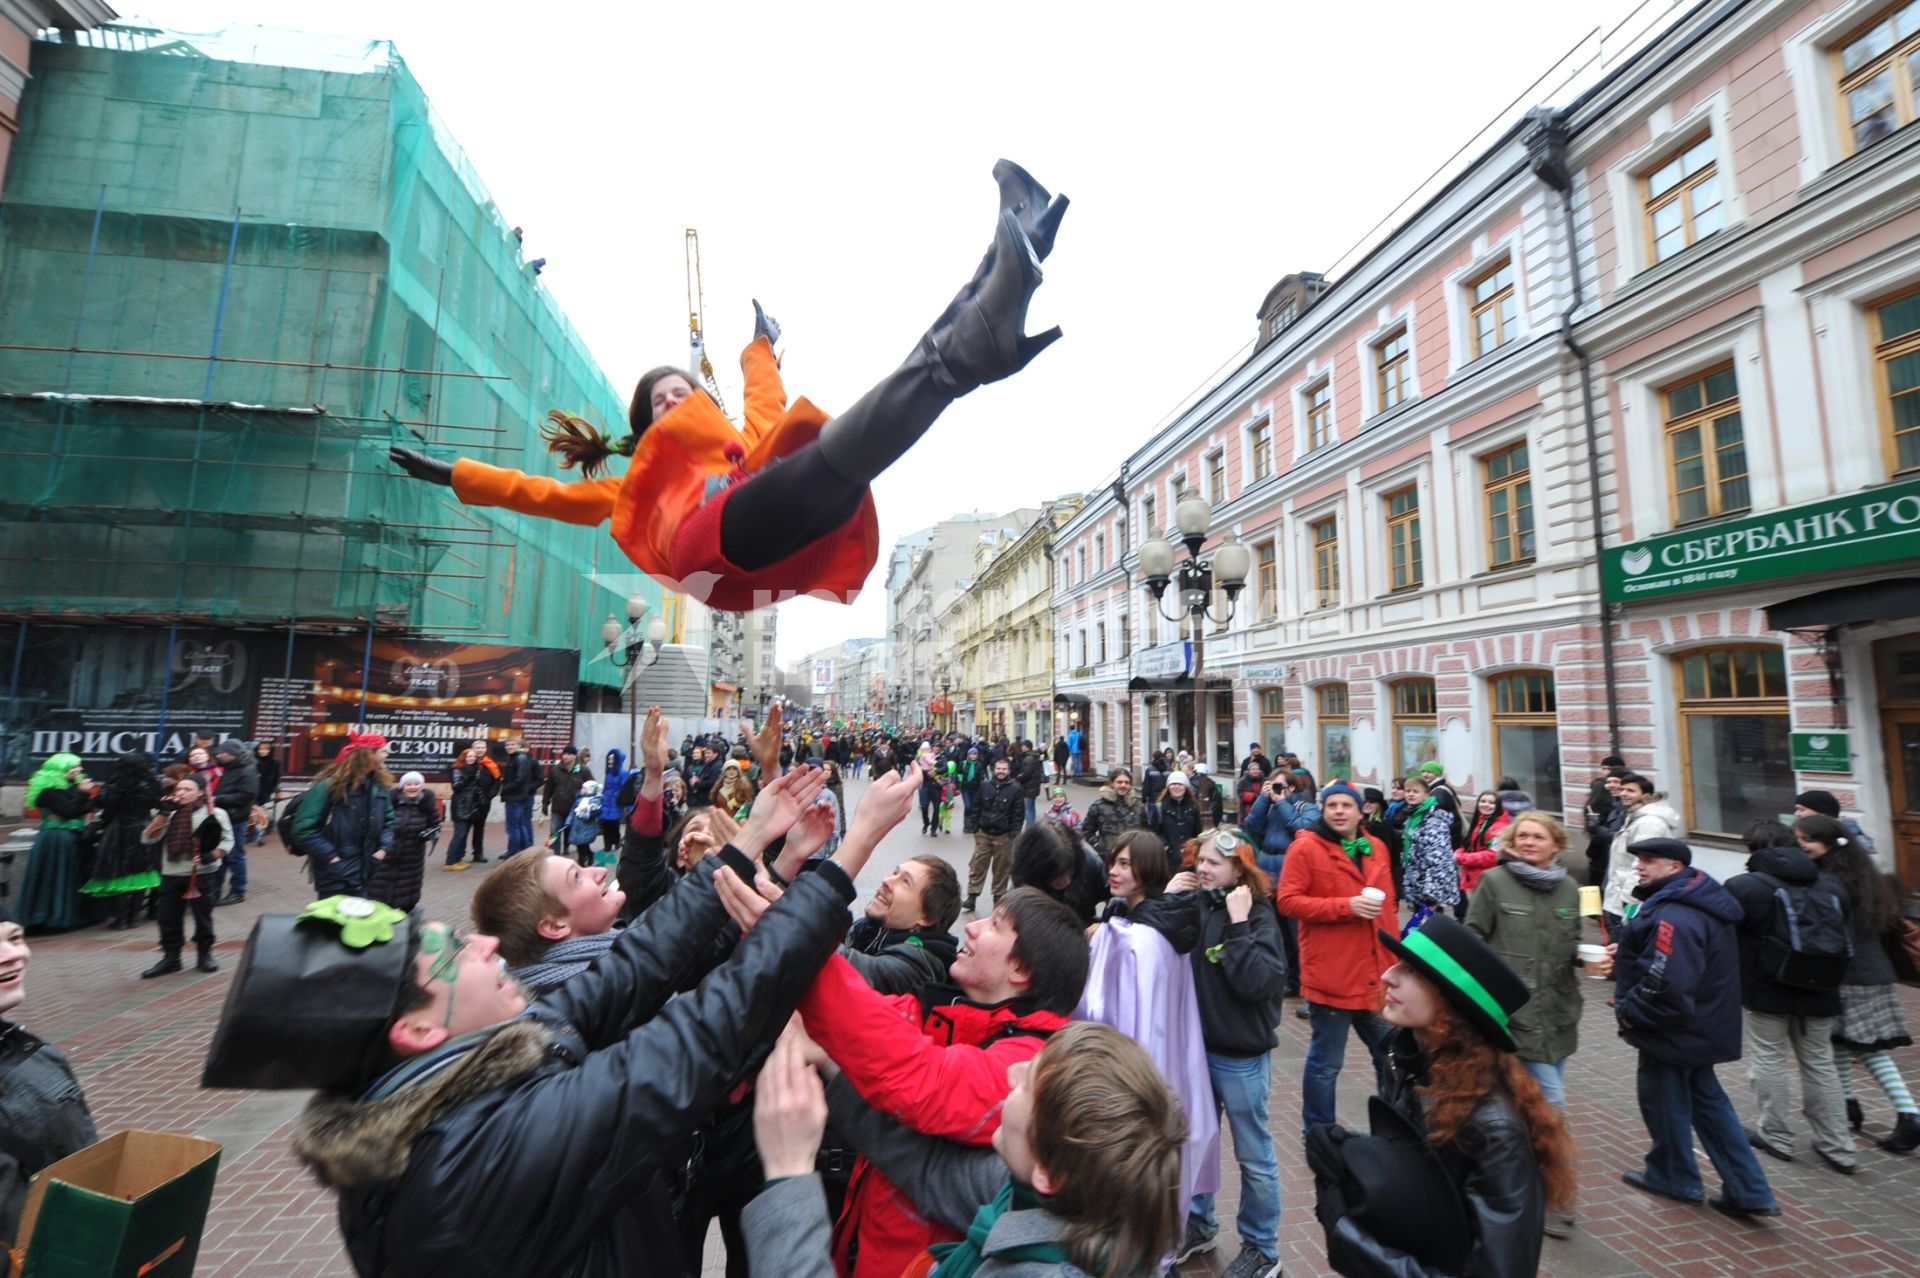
(836, 158)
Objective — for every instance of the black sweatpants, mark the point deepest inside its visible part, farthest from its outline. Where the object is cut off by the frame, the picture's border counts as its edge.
(171, 910)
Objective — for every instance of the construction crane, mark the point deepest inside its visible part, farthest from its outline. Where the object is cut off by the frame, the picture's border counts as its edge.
(696, 302)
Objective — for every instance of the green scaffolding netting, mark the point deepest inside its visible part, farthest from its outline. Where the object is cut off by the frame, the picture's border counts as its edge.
(317, 231)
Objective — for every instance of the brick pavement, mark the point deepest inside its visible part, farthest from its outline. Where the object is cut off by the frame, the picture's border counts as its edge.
(137, 1046)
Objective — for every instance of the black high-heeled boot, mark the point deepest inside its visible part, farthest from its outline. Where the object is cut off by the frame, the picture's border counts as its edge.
(981, 337)
(1905, 1136)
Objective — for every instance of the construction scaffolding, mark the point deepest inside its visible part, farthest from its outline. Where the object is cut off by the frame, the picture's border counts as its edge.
(226, 289)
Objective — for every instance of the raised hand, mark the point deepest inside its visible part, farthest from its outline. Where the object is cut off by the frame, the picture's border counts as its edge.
(808, 835)
(653, 741)
(421, 466)
(1239, 904)
(789, 1110)
(888, 799)
(744, 905)
(777, 807)
(766, 744)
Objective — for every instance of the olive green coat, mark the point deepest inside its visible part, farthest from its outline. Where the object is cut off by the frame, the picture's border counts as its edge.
(1535, 932)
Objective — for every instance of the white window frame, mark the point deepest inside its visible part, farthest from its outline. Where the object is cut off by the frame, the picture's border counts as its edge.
(1815, 97)
(1632, 253)
(1471, 456)
(1318, 371)
(1649, 494)
(1849, 384)
(1262, 415)
(1388, 326)
(1304, 520)
(1418, 475)
(1486, 255)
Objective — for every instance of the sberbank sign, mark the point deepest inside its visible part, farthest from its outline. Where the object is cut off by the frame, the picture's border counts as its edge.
(1877, 526)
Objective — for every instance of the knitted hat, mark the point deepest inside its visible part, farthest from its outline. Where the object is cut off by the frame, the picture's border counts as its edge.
(412, 776)
(1670, 849)
(365, 741)
(1201, 769)
(1434, 768)
(1341, 787)
(1821, 801)
(1466, 971)
(1178, 778)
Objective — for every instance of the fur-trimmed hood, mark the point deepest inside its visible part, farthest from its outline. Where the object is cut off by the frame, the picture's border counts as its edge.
(351, 1142)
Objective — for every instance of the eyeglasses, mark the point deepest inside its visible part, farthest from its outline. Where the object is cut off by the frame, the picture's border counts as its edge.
(448, 944)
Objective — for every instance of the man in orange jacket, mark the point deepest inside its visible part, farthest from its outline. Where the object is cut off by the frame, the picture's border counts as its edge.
(1325, 885)
(937, 1059)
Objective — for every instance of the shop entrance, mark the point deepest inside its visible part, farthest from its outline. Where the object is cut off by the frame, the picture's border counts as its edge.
(1898, 663)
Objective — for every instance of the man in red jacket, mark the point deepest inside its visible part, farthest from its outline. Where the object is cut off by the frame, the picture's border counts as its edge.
(1330, 867)
(937, 1059)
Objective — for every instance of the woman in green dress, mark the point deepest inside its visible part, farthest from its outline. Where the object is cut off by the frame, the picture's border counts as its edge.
(50, 893)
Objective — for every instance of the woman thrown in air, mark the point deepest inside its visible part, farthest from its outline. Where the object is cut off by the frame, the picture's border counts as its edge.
(744, 519)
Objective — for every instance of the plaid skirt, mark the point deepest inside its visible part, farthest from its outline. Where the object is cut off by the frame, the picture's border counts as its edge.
(1870, 1018)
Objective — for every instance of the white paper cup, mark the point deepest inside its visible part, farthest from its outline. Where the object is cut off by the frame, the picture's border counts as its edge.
(1592, 957)
(1373, 894)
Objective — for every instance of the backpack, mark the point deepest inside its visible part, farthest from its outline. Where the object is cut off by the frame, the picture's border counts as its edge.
(1810, 943)
(283, 825)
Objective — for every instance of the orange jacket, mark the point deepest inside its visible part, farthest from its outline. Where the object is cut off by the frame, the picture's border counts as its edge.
(1341, 956)
(668, 477)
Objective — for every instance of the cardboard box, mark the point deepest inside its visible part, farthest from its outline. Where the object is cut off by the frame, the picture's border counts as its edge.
(130, 1206)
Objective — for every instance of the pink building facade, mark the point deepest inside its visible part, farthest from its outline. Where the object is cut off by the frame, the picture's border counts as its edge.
(1686, 535)
(20, 21)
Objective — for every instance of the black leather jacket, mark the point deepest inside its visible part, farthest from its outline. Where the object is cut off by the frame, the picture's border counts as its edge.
(999, 807)
(43, 1117)
(1493, 1164)
(575, 1105)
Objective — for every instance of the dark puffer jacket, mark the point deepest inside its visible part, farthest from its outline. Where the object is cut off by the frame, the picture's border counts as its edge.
(896, 960)
(1111, 816)
(42, 1112)
(1768, 870)
(473, 790)
(1179, 821)
(1239, 971)
(576, 1105)
(1676, 975)
(396, 877)
(340, 837)
(239, 787)
(1492, 1164)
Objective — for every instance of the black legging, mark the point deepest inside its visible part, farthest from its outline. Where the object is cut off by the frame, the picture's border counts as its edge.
(796, 500)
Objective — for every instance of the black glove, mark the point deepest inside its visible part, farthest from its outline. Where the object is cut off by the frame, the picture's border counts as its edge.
(421, 466)
(764, 325)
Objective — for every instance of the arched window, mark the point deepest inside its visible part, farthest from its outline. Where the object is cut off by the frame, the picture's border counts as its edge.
(1526, 735)
(1416, 725)
(1735, 756)
(1336, 731)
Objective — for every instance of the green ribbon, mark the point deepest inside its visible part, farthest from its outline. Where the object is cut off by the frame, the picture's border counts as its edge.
(1357, 848)
(1419, 814)
(1448, 969)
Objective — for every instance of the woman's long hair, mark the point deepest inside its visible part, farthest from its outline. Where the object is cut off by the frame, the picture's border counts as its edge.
(578, 442)
(1147, 854)
(1110, 1133)
(733, 790)
(1463, 1068)
(351, 771)
(1875, 906)
(1479, 829)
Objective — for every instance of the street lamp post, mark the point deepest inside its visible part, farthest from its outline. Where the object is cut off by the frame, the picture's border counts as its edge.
(1195, 579)
(632, 642)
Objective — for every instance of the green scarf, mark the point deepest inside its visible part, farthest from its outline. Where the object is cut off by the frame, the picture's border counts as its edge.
(1419, 814)
(1356, 847)
(960, 1259)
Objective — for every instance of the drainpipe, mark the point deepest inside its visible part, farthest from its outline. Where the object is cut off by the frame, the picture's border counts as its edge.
(1547, 156)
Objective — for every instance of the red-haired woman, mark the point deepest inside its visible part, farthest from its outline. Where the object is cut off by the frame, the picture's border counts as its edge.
(1455, 1078)
(706, 509)
(1239, 978)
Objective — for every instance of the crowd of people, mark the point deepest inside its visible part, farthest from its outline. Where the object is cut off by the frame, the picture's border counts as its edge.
(667, 1017)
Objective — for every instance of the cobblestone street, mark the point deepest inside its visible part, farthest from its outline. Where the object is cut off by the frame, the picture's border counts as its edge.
(137, 1046)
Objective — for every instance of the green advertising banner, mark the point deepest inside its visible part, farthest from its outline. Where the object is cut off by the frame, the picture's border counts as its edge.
(1876, 526)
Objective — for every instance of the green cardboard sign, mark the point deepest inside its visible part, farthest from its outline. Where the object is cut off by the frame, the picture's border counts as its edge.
(1876, 526)
(1821, 752)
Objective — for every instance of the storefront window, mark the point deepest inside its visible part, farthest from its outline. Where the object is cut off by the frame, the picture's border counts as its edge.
(1019, 725)
(1526, 735)
(1273, 722)
(1735, 752)
(1336, 731)
(1416, 727)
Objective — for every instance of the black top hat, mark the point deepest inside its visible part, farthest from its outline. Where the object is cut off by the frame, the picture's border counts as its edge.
(1467, 973)
(313, 999)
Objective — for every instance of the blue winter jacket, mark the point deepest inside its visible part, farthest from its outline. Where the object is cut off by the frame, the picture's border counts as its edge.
(611, 784)
(1274, 823)
(1676, 975)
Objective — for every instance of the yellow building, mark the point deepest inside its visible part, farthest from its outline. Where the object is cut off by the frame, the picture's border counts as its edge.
(1002, 633)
